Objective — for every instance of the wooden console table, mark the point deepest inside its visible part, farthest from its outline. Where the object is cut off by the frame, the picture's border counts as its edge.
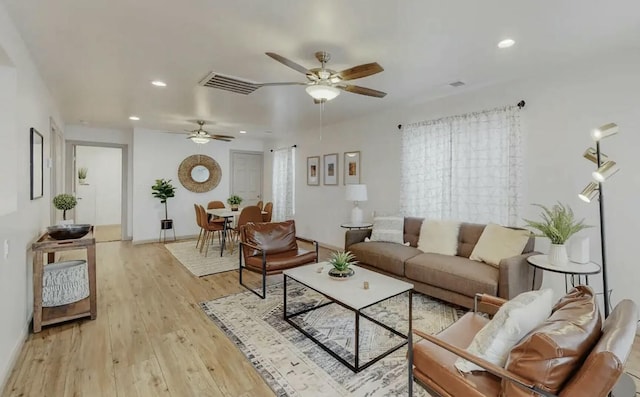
(85, 308)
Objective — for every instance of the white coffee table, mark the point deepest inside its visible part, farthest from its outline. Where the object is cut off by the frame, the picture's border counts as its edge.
(351, 295)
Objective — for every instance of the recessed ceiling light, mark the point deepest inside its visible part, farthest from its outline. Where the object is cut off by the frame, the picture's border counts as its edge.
(159, 83)
(134, 118)
(243, 132)
(506, 43)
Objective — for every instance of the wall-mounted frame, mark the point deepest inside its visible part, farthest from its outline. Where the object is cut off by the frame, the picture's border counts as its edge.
(330, 168)
(351, 168)
(313, 171)
(37, 164)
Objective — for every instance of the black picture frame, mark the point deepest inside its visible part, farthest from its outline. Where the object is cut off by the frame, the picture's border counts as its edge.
(37, 164)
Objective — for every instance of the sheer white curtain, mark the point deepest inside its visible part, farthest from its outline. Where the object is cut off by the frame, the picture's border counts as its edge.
(466, 167)
(283, 184)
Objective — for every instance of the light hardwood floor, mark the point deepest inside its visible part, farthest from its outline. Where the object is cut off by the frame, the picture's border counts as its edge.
(150, 337)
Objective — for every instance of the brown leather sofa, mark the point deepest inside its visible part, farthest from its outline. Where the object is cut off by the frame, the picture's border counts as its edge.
(455, 279)
(569, 355)
(270, 248)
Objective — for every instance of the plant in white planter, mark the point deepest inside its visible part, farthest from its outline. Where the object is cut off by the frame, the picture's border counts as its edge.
(64, 202)
(558, 224)
(82, 174)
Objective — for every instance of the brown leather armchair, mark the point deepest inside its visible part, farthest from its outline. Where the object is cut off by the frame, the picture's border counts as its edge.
(270, 248)
(569, 355)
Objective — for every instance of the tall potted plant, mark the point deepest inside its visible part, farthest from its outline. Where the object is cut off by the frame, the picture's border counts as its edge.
(558, 224)
(163, 190)
(65, 202)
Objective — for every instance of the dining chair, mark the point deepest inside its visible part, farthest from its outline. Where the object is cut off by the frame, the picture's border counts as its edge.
(268, 208)
(260, 205)
(215, 205)
(199, 223)
(209, 229)
(248, 214)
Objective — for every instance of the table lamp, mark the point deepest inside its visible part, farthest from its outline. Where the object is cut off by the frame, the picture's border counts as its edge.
(356, 193)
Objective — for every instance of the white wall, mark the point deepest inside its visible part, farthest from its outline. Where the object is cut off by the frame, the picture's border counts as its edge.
(157, 155)
(88, 135)
(561, 110)
(31, 106)
(104, 176)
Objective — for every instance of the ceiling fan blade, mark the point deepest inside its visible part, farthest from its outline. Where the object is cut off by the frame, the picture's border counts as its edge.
(221, 139)
(362, 91)
(216, 136)
(288, 62)
(285, 83)
(360, 71)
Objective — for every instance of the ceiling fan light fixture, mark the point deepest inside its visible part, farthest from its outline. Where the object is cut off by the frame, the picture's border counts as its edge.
(200, 140)
(322, 92)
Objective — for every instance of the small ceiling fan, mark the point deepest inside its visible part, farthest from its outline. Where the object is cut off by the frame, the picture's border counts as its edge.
(324, 84)
(200, 136)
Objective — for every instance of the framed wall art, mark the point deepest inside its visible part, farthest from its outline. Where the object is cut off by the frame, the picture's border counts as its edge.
(37, 164)
(351, 168)
(313, 171)
(331, 169)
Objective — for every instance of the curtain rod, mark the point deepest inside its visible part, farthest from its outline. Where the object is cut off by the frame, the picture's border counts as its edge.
(520, 105)
(286, 147)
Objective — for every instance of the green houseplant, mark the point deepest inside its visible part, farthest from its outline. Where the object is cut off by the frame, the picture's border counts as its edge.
(234, 201)
(163, 190)
(558, 224)
(82, 174)
(64, 202)
(341, 262)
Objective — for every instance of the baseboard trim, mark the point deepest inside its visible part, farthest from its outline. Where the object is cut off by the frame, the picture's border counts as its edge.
(178, 238)
(13, 359)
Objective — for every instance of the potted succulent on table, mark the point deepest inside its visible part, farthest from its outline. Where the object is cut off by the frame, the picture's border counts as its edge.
(163, 190)
(341, 262)
(65, 202)
(234, 201)
(558, 224)
(82, 175)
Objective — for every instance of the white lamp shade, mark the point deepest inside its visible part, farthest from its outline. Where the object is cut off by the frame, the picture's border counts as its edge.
(356, 193)
(199, 139)
(322, 92)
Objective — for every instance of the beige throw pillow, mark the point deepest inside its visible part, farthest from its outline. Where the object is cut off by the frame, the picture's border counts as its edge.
(513, 321)
(439, 237)
(497, 243)
(388, 228)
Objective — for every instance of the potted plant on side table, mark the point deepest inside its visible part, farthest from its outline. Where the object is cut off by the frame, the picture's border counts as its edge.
(65, 202)
(341, 262)
(558, 224)
(163, 190)
(234, 201)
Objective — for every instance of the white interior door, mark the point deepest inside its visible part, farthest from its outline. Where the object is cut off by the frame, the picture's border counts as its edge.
(86, 207)
(246, 180)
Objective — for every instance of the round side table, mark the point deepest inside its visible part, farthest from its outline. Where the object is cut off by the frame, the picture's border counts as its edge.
(572, 269)
(364, 225)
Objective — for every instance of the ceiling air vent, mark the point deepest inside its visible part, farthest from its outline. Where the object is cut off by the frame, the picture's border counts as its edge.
(457, 84)
(229, 83)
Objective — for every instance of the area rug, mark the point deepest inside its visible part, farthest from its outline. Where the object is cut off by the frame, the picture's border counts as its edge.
(293, 365)
(190, 257)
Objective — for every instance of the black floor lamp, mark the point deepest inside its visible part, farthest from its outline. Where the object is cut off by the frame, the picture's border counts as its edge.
(606, 168)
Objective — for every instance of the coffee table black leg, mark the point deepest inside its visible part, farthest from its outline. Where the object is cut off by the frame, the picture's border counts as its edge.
(357, 366)
(284, 305)
(410, 344)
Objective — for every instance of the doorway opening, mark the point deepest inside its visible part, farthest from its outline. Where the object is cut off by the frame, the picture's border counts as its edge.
(97, 176)
(246, 176)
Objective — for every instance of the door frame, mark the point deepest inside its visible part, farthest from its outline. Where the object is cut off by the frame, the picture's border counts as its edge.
(71, 173)
(231, 167)
(57, 171)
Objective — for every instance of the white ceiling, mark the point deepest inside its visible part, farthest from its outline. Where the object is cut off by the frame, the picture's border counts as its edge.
(99, 56)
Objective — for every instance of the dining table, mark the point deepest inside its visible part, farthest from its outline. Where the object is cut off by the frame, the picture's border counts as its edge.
(228, 215)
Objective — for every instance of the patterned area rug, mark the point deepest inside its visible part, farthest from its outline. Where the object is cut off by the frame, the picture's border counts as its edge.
(293, 365)
(190, 257)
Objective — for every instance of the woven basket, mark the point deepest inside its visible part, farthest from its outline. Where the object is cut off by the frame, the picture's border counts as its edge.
(64, 283)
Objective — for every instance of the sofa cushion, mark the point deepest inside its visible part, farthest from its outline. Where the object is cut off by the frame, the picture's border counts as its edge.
(498, 242)
(453, 273)
(515, 319)
(552, 352)
(389, 257)
(388, 228)
(468, 237)
(439, 237)
(412, 227)
(437, 364)
(281, 261)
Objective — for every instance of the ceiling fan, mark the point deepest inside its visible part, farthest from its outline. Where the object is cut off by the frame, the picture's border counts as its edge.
(200, 136)
(324, 84)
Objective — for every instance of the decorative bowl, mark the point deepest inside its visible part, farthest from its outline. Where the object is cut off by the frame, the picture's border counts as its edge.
(341, 275)
(67, 232)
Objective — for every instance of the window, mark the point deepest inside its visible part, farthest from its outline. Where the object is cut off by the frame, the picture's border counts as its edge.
(465, 167)
(283, 184)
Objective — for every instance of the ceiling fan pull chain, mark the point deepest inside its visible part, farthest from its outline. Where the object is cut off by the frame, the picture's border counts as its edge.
(321, 113)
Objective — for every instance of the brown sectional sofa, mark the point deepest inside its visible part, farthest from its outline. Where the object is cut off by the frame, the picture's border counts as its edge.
(455, 279)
